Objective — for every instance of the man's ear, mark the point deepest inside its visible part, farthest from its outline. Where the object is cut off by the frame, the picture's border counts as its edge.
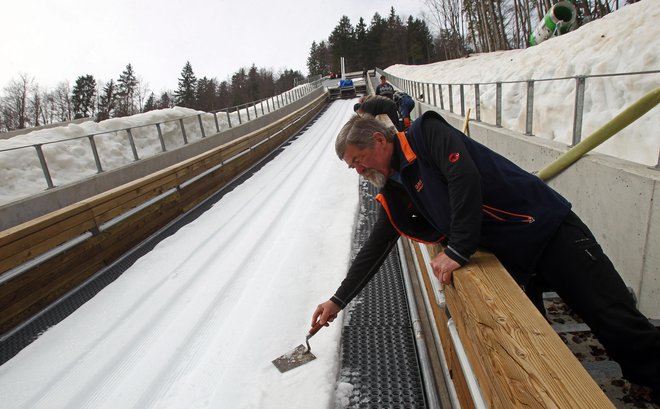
(379, 137)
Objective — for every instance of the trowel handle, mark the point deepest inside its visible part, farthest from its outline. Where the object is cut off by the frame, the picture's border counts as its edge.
(314, 330)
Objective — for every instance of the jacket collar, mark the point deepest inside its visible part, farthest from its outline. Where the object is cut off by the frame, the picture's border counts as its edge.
(402, 155)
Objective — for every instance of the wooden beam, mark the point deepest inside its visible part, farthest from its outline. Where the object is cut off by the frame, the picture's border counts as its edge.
(519, 360)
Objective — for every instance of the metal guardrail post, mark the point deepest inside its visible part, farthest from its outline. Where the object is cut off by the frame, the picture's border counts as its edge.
(529, 120)
(240, 120)
(262, 108)
(247, 109)
(462, 93)
(477, 102)
(442, 100)
(498, 104)
(268, 105)
(44, 166)
(451, 99)
(132, 142)
(256, 115)
(183, 131)
(201, 125)
(161, 139)
(95, 152)
(435, 96)
(578, 109)
(217, 125)
(228, 118)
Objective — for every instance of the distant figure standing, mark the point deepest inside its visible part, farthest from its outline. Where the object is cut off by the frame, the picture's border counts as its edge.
(385, 89)
(406, 105)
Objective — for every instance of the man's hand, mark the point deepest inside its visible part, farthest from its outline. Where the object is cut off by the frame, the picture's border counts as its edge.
(443, 267)
(325, 313)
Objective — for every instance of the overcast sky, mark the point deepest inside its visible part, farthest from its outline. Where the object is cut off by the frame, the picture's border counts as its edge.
(56, 40)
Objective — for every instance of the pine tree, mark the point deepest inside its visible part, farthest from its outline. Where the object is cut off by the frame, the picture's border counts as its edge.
(238, 87)
(253, 84)
(83, 95)
(165, 101)
(150, 105)
(224, 94)
(185, 95)
(286, 80)
(376, 54)
(420, 42)
(206, 94)
(342, 44)
(361, 44)
(127, 86)
(107, 102)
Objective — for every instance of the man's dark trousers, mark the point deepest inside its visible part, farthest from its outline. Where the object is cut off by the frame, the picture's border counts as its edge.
(574, 265)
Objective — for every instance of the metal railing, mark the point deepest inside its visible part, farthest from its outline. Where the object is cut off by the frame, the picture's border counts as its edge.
(454, 97)
(159, 137)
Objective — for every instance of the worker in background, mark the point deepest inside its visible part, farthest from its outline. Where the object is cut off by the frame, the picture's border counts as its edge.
(406, 104)
(375, 105)
(438, 185)
(384, 89)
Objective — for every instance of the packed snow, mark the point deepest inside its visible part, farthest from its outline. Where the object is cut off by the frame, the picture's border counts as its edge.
(196, 322)
(626, 41)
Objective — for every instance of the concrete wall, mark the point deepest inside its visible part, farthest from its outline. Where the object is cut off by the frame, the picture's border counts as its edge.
(29, 208)
(615, 198)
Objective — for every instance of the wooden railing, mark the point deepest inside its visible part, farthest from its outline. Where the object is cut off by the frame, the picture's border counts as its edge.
(43, 259)
(518, 360)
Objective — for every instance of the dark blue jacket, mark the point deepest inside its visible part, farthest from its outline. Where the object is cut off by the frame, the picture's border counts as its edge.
(454, 190)
(471, 195)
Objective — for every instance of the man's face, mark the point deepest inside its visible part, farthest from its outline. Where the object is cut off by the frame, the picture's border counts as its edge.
(372, 163)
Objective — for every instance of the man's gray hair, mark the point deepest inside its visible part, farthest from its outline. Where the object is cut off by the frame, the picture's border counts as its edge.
(359, 132)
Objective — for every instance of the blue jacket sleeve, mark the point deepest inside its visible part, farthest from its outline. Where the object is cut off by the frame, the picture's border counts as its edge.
(450, 155)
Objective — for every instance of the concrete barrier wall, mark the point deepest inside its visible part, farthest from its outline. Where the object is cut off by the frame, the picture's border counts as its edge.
(29, 208)
(614, 197)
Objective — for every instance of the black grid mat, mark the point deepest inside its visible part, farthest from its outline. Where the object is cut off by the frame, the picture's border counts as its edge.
(378, 356)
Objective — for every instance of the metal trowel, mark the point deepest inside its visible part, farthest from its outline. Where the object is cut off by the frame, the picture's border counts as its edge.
(300, 355)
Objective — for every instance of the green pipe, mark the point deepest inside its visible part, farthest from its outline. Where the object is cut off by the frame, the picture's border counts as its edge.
(625, 118)
(560, 19)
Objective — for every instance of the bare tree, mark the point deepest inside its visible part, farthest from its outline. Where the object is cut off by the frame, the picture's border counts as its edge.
(15, 103)
(141, 92)
(62, 102)
(35, 106)
(446, 16)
